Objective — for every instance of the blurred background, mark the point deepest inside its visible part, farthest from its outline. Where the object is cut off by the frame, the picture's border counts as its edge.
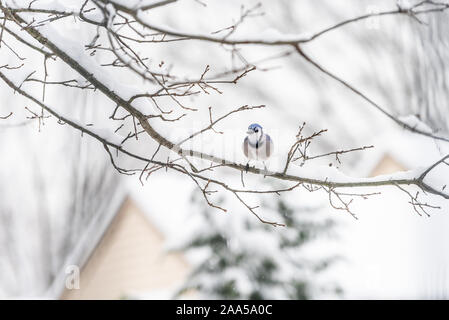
(71, 227)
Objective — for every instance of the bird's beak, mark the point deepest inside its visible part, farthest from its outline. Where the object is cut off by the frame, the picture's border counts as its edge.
(249, 131)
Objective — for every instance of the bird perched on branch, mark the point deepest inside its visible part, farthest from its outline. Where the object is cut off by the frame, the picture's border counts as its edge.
(257, 145)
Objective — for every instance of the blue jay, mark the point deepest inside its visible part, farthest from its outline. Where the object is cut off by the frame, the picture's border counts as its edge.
(257, 145)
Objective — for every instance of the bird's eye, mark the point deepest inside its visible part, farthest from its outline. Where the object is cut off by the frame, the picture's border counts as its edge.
(257, 130)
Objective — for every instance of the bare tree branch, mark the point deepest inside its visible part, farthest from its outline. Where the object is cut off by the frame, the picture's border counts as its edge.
(118, 18)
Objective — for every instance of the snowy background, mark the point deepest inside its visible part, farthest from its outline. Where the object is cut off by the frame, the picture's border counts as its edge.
(53, 182)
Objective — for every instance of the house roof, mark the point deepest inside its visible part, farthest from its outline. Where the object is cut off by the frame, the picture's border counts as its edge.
(168, 219)
(87, 243)
(407, 148)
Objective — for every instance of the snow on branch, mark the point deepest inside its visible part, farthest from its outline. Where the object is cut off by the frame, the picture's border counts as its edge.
(120, 26)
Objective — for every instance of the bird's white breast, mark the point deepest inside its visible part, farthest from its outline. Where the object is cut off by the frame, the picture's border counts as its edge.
(258, 149)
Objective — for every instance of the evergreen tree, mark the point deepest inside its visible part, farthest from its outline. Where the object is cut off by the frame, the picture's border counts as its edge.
(246, 259)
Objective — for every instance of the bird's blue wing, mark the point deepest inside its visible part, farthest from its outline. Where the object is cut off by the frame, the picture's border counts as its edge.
(245, 147)
(268, 145)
